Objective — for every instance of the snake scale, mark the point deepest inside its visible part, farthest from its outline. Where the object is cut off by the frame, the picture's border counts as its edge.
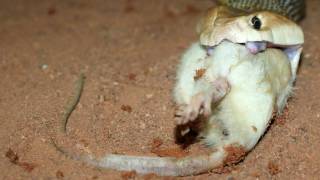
(293, 9)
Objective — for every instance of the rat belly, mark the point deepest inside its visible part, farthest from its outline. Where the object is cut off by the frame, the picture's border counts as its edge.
(256, 82)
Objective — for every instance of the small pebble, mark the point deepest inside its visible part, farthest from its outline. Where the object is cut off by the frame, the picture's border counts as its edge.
(230, 178)
(307, 55)
(59, 174)
(44, 66)
(142, 125)
(149, 96)
(101, 98)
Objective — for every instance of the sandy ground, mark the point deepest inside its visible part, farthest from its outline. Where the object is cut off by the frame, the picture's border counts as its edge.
(128, 51)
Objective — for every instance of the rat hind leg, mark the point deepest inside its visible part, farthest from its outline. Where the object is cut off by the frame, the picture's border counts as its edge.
(214, 133)
(219, 133)
(241, 118)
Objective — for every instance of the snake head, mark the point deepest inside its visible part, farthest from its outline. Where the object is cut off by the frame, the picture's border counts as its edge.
(257, 30)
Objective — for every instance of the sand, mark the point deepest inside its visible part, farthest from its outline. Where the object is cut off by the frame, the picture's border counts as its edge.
(128, 50)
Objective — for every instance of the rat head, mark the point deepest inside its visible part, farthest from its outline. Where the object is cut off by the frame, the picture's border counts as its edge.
(257, 31)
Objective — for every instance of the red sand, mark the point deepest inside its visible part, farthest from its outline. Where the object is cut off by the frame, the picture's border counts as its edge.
(128, 51)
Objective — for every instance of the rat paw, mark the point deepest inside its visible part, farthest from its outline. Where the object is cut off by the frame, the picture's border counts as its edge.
(200, 104)
(185, 114)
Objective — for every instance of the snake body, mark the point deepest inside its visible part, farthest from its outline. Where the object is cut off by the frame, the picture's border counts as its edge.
(293, 9)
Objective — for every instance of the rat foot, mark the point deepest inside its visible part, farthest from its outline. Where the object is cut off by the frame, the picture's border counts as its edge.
(201, 103)
(188, 113)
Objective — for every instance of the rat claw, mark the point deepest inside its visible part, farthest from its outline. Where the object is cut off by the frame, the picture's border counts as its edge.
(185, 114)
(180, 114)
(190, 112)
(201, 102)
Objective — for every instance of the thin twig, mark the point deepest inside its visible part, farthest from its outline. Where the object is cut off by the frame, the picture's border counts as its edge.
(73, 102)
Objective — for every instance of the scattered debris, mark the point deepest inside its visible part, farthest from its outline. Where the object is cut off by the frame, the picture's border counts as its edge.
(26, 166)
(129, 8)
(102, 98)
(235, 154)
(129, 175)
(147, 115)
(132, 76)
(52, 11)
(149, 96)
(273, 168)
(190, 9)
(156, 143)
(143, 125)
(126, 108)
(231, 178)
(14, 158)
(255, 174)
(44, 66)
(84, 142)
(59, 174)
(307, 55)
(199, 74)
(170, 13)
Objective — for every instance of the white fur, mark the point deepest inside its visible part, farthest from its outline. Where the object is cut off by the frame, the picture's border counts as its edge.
(192, 60)
(258, 83)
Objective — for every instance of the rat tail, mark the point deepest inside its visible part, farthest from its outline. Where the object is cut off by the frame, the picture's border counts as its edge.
(162, 166)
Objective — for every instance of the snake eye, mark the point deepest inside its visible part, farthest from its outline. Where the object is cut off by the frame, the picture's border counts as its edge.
(256, 23)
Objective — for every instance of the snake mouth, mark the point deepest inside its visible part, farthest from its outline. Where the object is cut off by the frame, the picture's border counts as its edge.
(255, 47)
(258, 30)
(293, 52)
